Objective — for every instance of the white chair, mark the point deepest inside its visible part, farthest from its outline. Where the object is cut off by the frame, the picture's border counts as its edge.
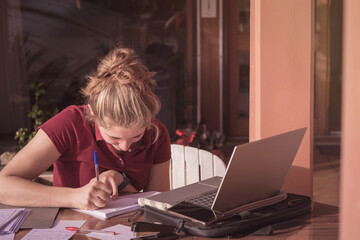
(189, 165)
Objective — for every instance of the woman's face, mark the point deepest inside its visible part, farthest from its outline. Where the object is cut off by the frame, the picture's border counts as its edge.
(121, 138)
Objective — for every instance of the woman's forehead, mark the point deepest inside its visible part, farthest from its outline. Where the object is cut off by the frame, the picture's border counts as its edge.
(107, 122)
(118, 131)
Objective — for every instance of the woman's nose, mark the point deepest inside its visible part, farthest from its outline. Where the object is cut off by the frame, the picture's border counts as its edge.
(124, 145)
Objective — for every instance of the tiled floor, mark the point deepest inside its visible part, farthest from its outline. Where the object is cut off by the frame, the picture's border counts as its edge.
(327, 172)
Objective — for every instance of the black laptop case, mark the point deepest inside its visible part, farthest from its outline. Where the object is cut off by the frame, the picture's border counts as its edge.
(262, 221)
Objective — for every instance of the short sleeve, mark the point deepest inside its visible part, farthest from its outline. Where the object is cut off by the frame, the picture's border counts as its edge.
(63, 129)
(162, 147)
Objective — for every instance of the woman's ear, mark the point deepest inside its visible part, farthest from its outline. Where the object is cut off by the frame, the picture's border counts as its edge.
(91, 111)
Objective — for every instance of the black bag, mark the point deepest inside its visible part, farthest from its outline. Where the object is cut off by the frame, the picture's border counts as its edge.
(262, 221)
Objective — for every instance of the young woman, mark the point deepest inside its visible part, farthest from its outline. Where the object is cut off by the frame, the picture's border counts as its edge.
(118, 121)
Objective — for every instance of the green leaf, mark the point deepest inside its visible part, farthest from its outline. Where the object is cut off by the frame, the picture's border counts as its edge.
(32, 86)
(32, 115)
(38, 115)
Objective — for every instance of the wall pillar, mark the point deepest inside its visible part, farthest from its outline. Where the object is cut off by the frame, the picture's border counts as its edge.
(282, 79)
(350, 150)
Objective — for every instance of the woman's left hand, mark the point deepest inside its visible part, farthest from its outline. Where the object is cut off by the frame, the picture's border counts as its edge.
(113, 179)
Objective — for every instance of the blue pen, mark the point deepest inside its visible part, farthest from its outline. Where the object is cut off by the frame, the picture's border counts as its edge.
(96, 166)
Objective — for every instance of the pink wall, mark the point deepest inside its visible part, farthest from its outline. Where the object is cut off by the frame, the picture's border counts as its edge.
(350, 144)
(282, 79)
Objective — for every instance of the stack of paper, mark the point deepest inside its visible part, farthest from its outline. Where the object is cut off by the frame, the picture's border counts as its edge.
(11, 219)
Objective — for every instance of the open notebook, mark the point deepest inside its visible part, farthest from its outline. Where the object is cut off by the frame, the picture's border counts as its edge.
(123, 204)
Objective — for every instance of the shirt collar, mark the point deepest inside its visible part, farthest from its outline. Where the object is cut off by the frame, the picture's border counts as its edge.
(98, 136)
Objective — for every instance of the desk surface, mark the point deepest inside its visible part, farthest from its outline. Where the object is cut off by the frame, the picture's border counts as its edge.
(322, 223)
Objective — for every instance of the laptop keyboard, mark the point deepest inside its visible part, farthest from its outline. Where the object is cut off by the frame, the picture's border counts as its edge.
(204, 200)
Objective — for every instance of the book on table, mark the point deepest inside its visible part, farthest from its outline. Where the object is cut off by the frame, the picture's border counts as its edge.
(124, 204)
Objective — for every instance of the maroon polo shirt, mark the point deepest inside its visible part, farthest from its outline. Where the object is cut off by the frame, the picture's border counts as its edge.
(76, 140)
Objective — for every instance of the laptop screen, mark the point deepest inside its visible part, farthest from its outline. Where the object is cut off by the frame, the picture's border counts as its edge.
(257, 170)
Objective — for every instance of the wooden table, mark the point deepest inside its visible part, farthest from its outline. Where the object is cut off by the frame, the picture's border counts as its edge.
(322, 223)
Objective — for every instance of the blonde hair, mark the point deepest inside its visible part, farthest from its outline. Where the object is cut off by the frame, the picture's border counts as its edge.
(122, 90)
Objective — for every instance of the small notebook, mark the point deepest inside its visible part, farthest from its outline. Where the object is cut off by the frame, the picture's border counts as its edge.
(158, 204)
(123, 204)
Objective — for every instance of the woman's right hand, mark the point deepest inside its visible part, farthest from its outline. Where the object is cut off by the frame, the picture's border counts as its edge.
(93, 195)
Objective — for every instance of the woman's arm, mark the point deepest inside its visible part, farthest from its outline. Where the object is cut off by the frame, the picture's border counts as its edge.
(158, 179)
(18, 189)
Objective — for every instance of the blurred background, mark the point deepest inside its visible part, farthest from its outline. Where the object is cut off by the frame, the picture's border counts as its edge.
(48, 46)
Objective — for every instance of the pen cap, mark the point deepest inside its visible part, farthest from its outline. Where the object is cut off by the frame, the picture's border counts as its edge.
(95, 158)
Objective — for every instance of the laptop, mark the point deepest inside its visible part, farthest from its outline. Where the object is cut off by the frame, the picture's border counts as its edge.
(254, 177)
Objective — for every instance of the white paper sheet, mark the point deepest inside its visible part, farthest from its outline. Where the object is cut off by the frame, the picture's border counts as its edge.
(57, 232)
(122, 232)
(9, 236)
(5, 214)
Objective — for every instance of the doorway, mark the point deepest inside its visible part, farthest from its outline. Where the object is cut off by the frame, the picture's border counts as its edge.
(237, 27)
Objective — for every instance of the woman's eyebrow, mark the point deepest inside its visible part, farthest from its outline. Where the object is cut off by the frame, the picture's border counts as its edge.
(131, 137)
(114, 137)
(139, 135)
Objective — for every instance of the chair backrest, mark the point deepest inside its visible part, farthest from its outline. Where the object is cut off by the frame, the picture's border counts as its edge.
(189, 165)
